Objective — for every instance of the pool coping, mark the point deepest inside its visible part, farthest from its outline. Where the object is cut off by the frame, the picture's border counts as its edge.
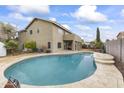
(99, 76)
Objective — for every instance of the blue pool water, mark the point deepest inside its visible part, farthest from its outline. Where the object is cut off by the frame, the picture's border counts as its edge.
(53, 70)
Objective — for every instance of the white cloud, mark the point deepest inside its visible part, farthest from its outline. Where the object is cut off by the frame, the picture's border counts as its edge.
(66, 26)
(83, 27)
(122, 12)
(112, 21)
(85, 31)
(19, 12)
(105, 27)
(65, 14)
(19, 16)
(107, 35)
(87, 36)
(11, 24)
(52, 19)
(14, 25)
(89, 13)
(31, 9)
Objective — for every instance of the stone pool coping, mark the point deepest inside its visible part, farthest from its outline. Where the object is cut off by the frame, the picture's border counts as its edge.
(105, 76)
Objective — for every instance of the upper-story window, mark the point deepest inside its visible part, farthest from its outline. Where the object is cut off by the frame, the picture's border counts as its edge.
(31, 32)
(38, 31)
(49, 45)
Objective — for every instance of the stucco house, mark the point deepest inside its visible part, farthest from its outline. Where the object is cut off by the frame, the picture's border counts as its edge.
(120, 35)
(49, 34)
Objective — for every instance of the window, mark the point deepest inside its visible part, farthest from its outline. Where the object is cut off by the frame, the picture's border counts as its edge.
(59, 44)
(37, 30)
(49, 45)
(30, 32)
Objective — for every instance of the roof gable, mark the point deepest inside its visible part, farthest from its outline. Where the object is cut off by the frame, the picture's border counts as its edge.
(55, 23)
(120, 33)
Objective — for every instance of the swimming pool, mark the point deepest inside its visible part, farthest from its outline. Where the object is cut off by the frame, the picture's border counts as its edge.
(53, 69)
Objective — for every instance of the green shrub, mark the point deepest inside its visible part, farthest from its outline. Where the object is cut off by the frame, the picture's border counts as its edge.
(84, 46)
(98, 44)
(11, 45)
(31, 45)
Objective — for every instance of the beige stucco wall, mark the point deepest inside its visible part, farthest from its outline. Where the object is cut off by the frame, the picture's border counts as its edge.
(42, 38)
(57, 37)
(21, 38)
(76, 41)
(48, 32)
(69, 37)
(72, 37)
(121, 35)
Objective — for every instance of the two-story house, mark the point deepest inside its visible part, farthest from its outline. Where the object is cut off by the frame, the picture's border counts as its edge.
(49, 34)
(120, 35)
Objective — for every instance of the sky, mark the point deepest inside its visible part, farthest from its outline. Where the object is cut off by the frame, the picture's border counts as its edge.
(82, 20)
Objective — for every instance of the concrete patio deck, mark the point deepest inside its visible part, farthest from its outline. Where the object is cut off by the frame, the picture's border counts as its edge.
(105, 76)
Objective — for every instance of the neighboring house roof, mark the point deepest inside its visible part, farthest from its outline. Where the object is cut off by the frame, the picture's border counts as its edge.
(55, 23)
(120, 33)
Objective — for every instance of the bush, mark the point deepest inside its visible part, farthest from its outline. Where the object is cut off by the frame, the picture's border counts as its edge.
(11, 45)
(84, 46)
(98, 45)
(31, 45)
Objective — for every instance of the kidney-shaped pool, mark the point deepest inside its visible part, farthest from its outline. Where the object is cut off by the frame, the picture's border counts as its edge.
(53, 69)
